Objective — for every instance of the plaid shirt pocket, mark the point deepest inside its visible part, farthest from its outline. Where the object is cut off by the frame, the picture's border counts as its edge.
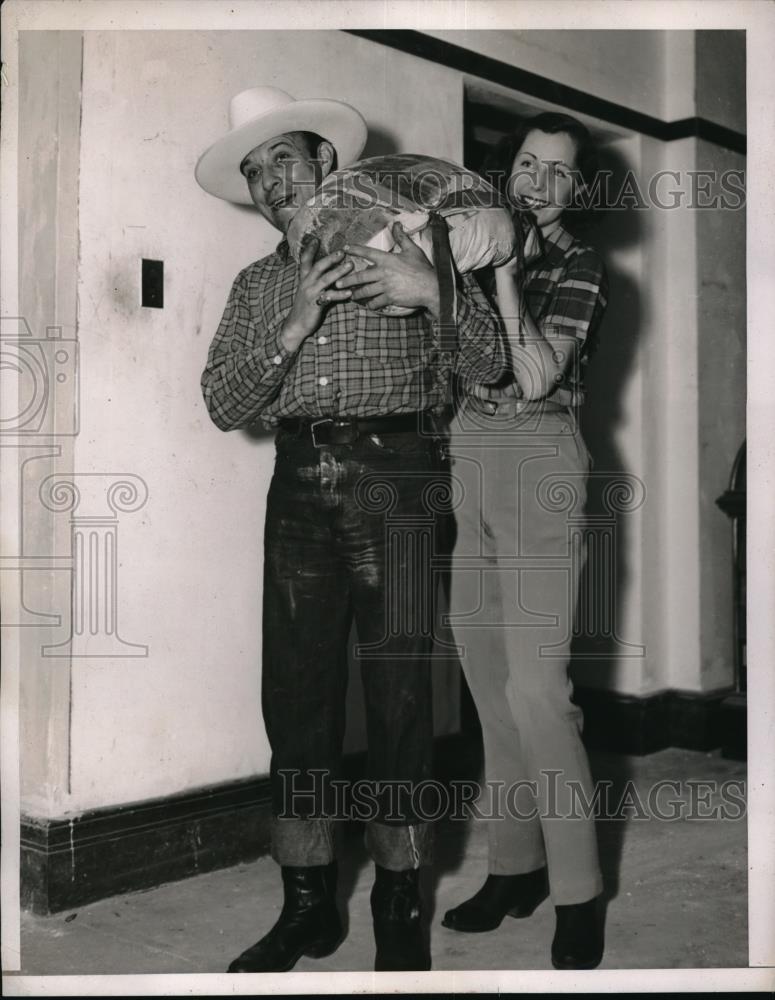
(397, 346)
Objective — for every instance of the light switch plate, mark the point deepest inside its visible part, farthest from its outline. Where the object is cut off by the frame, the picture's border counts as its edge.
(152, 295)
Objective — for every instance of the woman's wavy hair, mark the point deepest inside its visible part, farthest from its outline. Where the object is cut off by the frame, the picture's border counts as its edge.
(497, 165)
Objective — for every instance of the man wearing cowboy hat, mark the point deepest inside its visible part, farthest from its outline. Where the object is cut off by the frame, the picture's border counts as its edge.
(350, 391)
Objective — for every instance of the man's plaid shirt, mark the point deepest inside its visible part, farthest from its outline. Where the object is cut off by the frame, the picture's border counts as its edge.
(357, 363)
(566, 293)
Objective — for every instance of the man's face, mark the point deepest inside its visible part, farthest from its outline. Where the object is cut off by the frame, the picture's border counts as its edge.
(281, 176)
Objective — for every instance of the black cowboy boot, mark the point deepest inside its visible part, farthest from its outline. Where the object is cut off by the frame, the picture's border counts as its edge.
(398, 930)
(578, 939)
(309, 923)
(515, 895)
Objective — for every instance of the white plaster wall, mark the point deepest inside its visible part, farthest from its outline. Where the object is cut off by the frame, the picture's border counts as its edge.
(721, 91)
(660, 511)
(189, 714)
(622, 66)
(653, 72)
(721, 343)
(693, 364)
(678, 87)
(49, 113)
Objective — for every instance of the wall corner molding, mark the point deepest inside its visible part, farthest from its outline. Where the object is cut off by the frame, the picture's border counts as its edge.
(444, 53)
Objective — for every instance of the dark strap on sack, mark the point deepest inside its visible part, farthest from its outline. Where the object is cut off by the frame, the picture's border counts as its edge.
(445, 269)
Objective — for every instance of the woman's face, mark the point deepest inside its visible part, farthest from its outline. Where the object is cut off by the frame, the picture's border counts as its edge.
(542, 176)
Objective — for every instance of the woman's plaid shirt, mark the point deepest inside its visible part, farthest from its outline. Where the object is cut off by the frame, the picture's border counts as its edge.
(566, 293)
(358, 363)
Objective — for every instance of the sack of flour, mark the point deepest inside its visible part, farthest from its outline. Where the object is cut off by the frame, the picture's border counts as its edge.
(361, 203)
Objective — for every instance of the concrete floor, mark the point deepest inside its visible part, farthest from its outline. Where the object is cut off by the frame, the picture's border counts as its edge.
(676, 898)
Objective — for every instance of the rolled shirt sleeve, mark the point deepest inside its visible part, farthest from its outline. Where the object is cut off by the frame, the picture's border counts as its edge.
(578, 300)
(246, 363)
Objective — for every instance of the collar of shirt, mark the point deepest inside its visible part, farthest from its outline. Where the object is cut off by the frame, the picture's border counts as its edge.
(555, 246)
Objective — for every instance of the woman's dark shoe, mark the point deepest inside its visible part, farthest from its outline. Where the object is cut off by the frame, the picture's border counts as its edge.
(578, 939)
(501, 895)
(309, 923)
(398, 931)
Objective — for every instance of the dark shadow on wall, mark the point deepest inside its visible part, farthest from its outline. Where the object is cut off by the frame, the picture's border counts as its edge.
(613, 492)
(613, 489)
(381, 143)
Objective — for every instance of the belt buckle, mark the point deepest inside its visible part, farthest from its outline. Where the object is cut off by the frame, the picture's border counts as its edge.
(325, 421)
(347, 427)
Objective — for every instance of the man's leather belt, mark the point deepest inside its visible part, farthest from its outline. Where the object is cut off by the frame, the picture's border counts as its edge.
(515, 406)
(346, 430)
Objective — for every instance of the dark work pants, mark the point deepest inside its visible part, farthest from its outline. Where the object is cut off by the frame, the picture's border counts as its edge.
(350, 530)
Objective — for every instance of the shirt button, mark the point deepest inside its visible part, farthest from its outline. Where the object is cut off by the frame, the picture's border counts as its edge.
(277, 360)
(323, 381)
(322, 340)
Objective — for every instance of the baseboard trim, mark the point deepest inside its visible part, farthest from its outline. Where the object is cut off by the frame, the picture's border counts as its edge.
(640, 725)
(76, 860)
(734, 727)
(104, 852)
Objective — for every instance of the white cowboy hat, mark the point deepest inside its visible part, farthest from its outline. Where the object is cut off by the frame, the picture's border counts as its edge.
(261, 113)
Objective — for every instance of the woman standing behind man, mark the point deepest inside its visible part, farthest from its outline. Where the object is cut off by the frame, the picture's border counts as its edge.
(517, 450)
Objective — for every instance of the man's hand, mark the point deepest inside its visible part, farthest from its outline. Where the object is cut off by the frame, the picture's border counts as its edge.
(394, 279)
(314, 294)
